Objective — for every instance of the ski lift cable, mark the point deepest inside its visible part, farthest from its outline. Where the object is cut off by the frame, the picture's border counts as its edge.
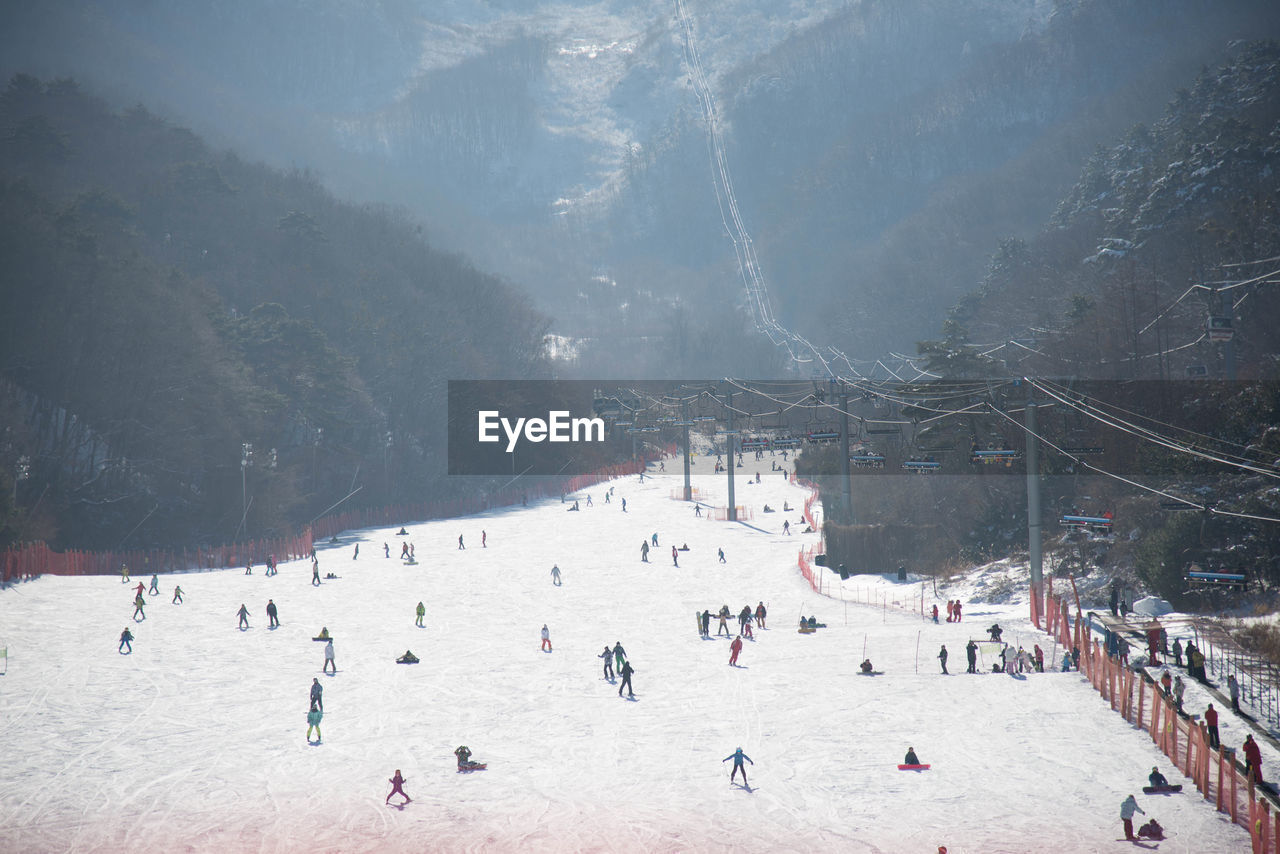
(726, 201)
(1155, 438)
(1159, 439)
(1137, 415)
(1250, 263)
(1129, 481)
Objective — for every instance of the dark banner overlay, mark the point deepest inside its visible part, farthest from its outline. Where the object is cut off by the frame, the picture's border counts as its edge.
(569, 427)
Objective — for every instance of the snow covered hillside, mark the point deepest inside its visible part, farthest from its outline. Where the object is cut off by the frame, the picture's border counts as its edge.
(196, 741)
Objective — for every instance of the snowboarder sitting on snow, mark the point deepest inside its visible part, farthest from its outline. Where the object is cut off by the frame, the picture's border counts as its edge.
(1151, 830)
(324, 632)
(866, 666)
(402, 533)
(911, 758)
(464, 758)
(814, 624)
(1157, 779)
(407, 658)
(995, 631)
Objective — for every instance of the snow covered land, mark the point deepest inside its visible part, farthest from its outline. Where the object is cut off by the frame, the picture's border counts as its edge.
(196, 741)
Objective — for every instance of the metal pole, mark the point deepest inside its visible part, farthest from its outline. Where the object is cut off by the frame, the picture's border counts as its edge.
(1033, 511)
(846, 488)
(729, 448)
(684, 431)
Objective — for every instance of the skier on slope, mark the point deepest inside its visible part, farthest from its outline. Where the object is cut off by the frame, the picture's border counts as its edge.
(138, 605)
(272, 614)
(177, 595)
(607, 655)
(317, 694)
(243, 614)
(723, 615)
(126, 640)
(328, 658)
(421, 611)
(625, 672)
(942, 657)
(546, 639)
(1127, 809)
(734, 649)
(155, 585)
(738, 756)
(314, 716)
(761, 611)
(555, 575)
(397, 786)
(644, 551)
(619, 655)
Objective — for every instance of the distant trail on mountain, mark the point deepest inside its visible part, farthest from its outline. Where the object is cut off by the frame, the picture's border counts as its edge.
(798, 348)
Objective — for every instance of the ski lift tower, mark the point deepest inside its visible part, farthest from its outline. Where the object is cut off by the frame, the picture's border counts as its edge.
(1033, 510)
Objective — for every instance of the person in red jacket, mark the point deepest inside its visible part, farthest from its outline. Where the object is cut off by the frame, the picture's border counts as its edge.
(734, 649)
(1211, 723)
(1252, 759)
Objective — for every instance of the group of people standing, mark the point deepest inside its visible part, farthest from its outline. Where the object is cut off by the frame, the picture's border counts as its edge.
(616, 654)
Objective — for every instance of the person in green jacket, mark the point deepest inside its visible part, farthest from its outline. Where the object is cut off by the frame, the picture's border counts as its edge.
(313, 722)
(422, 612)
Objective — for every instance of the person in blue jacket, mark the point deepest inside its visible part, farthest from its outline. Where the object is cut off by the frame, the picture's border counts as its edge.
(737, 756)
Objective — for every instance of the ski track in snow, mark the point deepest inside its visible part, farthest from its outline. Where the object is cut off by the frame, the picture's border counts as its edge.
(195, 742)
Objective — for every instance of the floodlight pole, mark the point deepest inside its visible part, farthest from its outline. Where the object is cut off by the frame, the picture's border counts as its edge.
(846, 485)
(1033, 513)
(684, 431)
(733, 508)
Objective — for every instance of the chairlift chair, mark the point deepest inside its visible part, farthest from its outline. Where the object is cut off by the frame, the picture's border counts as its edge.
(1219, 328)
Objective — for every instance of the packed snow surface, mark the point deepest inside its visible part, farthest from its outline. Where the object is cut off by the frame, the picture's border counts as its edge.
(196, 741)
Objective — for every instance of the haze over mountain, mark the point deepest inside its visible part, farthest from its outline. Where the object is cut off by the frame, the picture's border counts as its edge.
(880, 150)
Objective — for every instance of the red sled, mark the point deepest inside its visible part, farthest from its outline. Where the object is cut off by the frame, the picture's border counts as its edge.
(1160, 790)
(913, 767)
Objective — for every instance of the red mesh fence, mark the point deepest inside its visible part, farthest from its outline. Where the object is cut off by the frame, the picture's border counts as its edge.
(1213, 771)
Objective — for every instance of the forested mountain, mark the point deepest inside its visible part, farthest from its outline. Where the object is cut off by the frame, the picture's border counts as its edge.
(1169, 225)
(166, 307)
(880, 148)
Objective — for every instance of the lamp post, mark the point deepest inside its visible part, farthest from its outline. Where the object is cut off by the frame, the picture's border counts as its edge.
(246, 460)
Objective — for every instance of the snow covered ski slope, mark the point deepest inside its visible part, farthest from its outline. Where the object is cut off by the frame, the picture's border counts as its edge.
(196, 741)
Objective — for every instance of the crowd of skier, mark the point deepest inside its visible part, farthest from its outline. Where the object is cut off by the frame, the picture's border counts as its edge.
(742, 625)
